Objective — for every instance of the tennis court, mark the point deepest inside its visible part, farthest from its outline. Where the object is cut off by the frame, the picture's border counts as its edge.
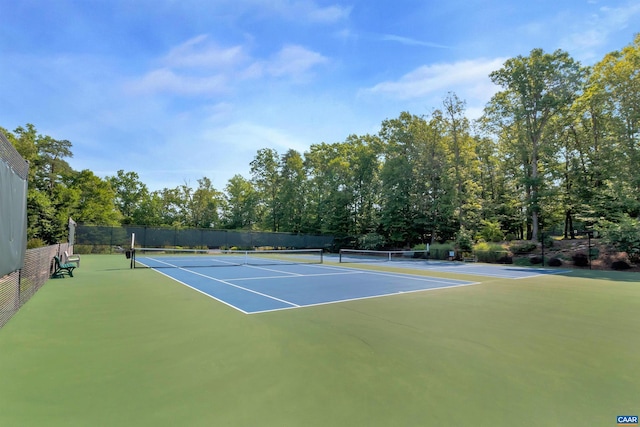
(115, 346)
(256, 282)
(415, 260)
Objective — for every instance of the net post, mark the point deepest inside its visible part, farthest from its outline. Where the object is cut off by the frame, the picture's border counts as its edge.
(133, 251)
(321, 256)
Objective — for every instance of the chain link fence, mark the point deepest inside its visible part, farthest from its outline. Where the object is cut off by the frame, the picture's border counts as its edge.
(113, 239)
(18, 287)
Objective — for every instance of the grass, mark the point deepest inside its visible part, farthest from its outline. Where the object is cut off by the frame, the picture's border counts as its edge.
(113, 346)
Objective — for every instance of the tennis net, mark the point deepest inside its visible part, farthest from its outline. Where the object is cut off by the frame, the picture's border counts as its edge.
(362, 255)
(190, 258)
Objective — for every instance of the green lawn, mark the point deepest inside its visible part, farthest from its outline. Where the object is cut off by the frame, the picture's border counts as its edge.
(115, 347)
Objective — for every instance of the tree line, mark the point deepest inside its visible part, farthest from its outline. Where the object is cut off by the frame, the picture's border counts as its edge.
(557, 149)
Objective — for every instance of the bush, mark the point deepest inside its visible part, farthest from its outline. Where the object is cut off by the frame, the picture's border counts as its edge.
(580, 259)
(371, 241)
(491, 231)
(624, 235)
(464, 240)
(535, 260)
(505, 260)
(523, 247)
(35, 243)
(555, 262)
(441, 250)
(522, 262)
(620, 265)
(489, 252)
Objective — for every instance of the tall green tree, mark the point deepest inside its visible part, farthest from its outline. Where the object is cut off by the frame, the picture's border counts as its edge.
(94, 201)
(129, 193)
(203, 205)
(364, 181)
(534, 89)
(329, 204)
(292, 193)
(241, 204)
(265, 171)
(463, 160)
(617, 75)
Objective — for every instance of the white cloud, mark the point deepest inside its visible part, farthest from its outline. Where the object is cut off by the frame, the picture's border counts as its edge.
(294, 61)
(200, 52)
(165, 80)
(587, 37)
(307, 11)
(328, 14)
(249, 137)
(199, 67)
(472, 75)
(410, 41)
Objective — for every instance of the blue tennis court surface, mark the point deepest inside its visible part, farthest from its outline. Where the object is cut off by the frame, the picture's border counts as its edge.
(472, 268)
(258, 289)
(479, 269)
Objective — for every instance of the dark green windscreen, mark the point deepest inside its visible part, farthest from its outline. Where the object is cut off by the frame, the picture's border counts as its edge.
(13, 208)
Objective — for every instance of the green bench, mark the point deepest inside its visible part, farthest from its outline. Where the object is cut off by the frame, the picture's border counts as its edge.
(60, 269)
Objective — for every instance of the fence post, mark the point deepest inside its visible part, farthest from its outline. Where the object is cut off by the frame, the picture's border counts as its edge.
(17, 304)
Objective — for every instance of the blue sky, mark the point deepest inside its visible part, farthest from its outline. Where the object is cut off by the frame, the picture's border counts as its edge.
(176, 90)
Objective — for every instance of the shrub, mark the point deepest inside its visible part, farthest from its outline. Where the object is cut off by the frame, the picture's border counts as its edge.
(464, 240)
(489, 252)
(371, 241)
(555, 262)
(491, 231)
(35, 243)
(535, 260)
(441, 250)
(82, 249)
(620, 265)
(505, 260)
(522, 262)
(548, 241)
(624, 235)
(580, 259)
(523, 247)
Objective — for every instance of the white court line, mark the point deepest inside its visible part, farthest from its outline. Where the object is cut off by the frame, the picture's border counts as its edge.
(229, 284)
(346, 273)
(204, 293)
(446, 284)
(177, 266)
(364, 298)
(474, 269)
(542, 274)
(240, 287)
(395, 274)
(275, 271)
